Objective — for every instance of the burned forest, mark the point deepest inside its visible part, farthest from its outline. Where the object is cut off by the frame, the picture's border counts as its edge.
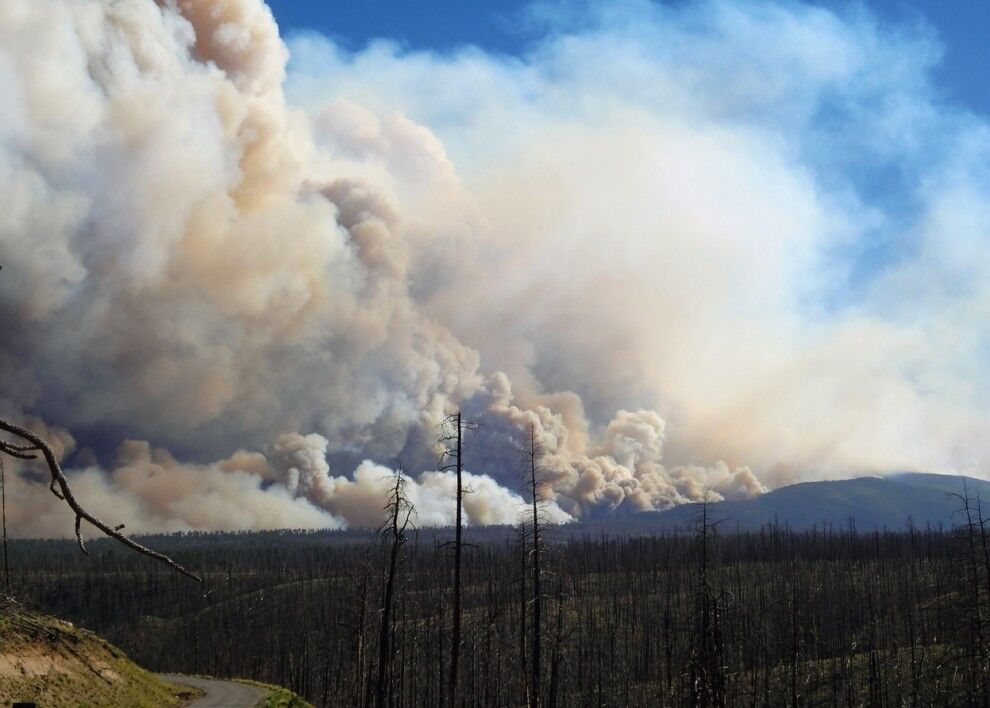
(702, 618)
(525, 354)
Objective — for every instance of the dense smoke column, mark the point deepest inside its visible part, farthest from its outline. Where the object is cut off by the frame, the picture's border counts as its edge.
(174, 328)
(187, 250)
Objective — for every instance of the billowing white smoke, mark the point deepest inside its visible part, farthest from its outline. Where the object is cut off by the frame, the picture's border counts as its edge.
(763, 220)
(149, 491)
(191, 259)
(171, 269)
(181, 263)
(624, 466)
(301, 466)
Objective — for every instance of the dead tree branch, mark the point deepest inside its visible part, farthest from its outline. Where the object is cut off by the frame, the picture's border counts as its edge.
(34, 446)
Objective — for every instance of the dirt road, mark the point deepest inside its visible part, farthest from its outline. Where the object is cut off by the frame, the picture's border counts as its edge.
(219, 694)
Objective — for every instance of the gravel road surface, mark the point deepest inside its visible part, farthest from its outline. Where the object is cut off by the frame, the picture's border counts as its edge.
(219, 694)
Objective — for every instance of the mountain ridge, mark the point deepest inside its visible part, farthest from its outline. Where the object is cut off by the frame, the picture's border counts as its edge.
(875, 502)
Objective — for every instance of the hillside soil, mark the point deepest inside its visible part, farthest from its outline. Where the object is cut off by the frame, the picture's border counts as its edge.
(53, 663)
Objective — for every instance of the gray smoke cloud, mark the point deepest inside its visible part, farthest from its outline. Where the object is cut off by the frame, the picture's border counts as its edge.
(168, 270)
(247, 291)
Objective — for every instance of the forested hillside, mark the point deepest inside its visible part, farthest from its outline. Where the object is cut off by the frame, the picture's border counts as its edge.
(772, 617)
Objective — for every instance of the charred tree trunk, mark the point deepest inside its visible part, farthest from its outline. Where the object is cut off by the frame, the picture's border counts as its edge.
(523, 612)
(3, 515)
(359, 641)
(455, 647)
(399, 512)
(984, 543)
(707, 671)
(557, 649)
(452, 442)
(537, 591)
(976, 652)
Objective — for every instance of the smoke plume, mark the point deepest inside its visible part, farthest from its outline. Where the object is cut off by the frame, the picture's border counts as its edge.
(241, 279)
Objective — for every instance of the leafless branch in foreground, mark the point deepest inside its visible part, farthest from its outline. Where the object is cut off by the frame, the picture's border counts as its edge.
(35, 446)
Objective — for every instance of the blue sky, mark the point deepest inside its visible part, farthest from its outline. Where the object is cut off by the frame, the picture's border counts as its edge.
(499, 26)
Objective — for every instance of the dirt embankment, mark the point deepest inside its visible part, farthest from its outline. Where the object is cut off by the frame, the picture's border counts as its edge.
(54, 663)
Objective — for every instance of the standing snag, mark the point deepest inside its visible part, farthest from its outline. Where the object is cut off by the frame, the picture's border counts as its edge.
(3, 516)
(451, 441)
(399, 512)
(707, 669)
(533, 482)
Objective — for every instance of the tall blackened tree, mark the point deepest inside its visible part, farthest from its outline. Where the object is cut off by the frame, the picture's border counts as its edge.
(707, 686)
(521, 552)
(451, 442)
(534, 482)
(3, 517)
(974, 645)
(399, 511)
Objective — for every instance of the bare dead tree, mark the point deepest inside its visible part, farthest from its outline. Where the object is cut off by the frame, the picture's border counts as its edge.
(707, 671)
(976, 652)
(361, 687)
(30, 448)
(3, 515)
(521, 546)
(981, 523)
(533, 481)
(393, 532)
(556, 648)
(451, 441)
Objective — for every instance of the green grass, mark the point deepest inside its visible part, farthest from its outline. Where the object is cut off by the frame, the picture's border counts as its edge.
(278, 697)
(53, 663)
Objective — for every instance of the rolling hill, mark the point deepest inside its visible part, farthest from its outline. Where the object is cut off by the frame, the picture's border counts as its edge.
(868, 502)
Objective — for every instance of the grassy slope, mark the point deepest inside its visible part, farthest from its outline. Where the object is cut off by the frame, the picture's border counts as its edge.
(278, 697)
(53, 663)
